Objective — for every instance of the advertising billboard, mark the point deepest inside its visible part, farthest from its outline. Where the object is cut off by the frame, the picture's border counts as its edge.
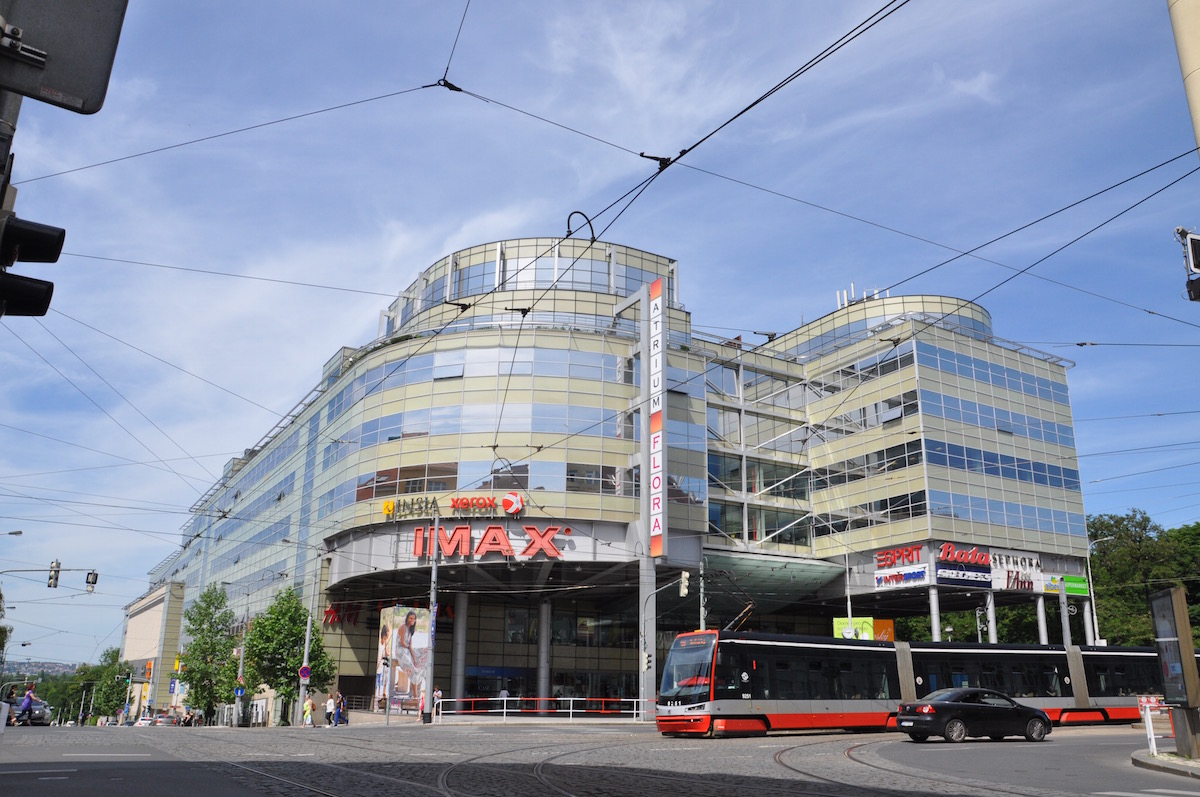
(404, 644)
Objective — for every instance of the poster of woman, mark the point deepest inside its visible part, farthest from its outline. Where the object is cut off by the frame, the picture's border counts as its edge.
(403, 652)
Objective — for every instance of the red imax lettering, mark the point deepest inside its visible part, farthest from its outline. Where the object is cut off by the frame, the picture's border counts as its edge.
(494, 539)
(541, 541)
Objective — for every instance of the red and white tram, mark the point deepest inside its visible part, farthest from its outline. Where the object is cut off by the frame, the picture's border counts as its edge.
(720, 683)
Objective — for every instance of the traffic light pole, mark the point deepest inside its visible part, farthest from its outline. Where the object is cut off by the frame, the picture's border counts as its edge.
(10, 109)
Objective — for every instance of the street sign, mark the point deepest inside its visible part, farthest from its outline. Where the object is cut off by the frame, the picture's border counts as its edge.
(60, 51)
(241, 690)
(303, 681)
(306, 672)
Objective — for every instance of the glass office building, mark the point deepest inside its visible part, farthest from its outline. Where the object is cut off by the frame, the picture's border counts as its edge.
(893, 455)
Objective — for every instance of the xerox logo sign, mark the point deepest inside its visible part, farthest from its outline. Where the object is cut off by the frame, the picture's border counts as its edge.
(512, 504)
(473, 502)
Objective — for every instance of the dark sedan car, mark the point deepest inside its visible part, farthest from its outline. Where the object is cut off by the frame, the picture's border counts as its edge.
(40, 715)
(958, 713)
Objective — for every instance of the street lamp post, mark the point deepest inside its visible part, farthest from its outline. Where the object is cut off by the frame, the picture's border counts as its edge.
(312, 608)
(241, 679)
(1092, 588)
(426, 700)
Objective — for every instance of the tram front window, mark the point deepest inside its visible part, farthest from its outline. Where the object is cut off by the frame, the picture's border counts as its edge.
(687, 673)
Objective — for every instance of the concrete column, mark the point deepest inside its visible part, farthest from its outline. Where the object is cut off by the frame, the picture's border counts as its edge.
(1089, 633)
(1063, 614)
(647, 680)
(1043, 633)
(545, 631)
(993, 635)
(458, 661)
(935, 613)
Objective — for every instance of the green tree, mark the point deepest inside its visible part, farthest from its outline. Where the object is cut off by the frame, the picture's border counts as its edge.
(108, 680)
(1132, 557)
(275, 650)
(205, 660)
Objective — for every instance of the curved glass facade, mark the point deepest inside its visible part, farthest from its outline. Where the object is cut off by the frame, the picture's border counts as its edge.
(502, 403)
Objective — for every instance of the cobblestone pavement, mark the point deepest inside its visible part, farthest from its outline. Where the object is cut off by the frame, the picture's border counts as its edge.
(455, 760)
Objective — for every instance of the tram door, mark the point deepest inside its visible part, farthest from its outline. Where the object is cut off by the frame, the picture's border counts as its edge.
(741, 675)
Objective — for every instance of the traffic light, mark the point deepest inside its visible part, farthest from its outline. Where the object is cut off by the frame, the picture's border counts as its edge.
(683, 583)
(27, 242)
(92, 578)
(645, 661)
(55, 567)
(1191, 242)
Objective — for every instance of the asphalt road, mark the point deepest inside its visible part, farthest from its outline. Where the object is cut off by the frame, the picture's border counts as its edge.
(584, 759)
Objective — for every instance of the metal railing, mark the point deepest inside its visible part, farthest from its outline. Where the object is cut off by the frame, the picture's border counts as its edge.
(568, 708)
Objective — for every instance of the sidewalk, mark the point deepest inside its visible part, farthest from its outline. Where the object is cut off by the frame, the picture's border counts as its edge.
(495, 718)
(1167, 762)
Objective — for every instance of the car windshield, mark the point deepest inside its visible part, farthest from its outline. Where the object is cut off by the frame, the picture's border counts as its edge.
(688, 669)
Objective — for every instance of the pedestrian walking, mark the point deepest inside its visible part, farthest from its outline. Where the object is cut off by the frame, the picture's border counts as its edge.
(339, 709)
(437, 699)
(308, 711)
(27, 705)
(330, 707)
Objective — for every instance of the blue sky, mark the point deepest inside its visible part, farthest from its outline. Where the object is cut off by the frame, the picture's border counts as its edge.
(943, 127)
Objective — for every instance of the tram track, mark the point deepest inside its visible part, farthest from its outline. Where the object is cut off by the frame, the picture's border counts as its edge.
(907, 780)
(468, 777)
(550, 765)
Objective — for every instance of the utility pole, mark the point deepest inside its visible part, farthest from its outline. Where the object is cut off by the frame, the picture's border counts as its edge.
(427, 696)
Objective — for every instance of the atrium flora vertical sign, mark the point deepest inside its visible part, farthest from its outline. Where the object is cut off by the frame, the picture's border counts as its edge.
(656, 351)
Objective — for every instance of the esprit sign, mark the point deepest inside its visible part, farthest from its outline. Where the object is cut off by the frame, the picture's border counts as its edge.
(893, 557)
(461, 541)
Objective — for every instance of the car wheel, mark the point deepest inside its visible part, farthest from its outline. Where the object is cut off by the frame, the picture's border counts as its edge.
(956, 731)
(1035, 731)
(918, 737)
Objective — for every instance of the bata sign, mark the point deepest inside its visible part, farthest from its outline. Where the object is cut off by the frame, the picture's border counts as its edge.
(460, 541)
(949, 552)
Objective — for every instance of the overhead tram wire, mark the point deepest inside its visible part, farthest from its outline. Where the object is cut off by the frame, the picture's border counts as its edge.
(665, 162)
(215, 136)
(253, 277)
(170, 364)
(98, 406)
(973, 253)
(453, 47)
(135, 408)
(126, 461)
(563, 127)
(964, 302)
